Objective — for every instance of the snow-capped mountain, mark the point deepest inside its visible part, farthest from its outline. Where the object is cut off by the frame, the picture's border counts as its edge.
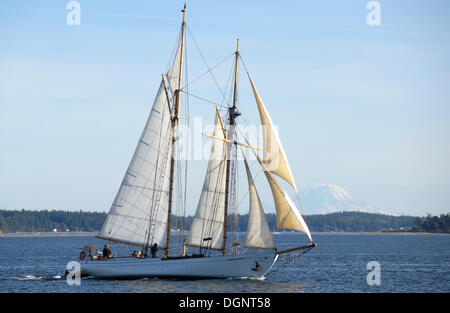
(329, 198)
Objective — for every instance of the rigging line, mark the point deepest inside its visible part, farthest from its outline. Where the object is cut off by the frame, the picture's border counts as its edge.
(233, 65)
(245, 67)
(206, 100)
(209, 70)
(206, 63)
(294, 257)
(299, 203)
(174, 49)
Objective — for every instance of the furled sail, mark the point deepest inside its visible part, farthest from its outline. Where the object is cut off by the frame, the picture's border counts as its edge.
(258, 231)
(274, 157)
(207, 226)
(138, 215)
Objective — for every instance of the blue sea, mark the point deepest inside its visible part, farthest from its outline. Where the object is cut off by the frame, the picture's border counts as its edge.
(406, 263)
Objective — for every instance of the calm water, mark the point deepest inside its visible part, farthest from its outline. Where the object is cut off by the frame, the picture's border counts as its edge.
(409, 263)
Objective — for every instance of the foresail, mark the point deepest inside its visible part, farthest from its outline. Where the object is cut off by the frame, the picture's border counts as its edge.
(258, 231)
(138, 215)
(273, 153)
(288, 215)
(208, 220)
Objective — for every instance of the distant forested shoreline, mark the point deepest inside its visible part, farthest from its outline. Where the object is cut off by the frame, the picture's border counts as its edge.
(48, 221)
(12, 221)
(432, 224)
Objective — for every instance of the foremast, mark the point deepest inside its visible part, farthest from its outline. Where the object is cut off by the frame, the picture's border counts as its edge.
(175, 117)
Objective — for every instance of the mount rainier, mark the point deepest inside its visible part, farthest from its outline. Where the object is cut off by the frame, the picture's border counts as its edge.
(328, 198)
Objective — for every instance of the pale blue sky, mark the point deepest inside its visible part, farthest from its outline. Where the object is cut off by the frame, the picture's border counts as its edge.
(363, 107)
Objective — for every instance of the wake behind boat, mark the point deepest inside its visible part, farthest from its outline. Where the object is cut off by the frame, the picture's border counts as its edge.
(141, 214)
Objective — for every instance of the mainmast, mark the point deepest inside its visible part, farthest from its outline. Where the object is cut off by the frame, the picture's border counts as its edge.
(175, 117)
(232, 112)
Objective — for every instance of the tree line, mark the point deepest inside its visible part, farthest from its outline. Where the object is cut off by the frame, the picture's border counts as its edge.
(432, 224)
(358, 222)
(47, 221)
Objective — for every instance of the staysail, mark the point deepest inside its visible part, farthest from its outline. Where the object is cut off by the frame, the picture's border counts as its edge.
(207, 226)
(258, 231)
(138, 215)
(288, 215)
(274, 157)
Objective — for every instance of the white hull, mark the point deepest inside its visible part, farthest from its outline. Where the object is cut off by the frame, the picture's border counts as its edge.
(239, 266)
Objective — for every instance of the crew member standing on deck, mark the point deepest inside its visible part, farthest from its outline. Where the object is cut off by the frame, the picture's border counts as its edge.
(154, 249)
(107, 252)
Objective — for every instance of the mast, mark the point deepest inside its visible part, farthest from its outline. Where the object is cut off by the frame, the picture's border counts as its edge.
(232, 114)
(175, 117)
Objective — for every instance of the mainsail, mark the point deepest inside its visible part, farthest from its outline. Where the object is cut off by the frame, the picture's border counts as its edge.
(138, 215)
(139, 211)
(258, 231)
(207, 226)
(274, 157)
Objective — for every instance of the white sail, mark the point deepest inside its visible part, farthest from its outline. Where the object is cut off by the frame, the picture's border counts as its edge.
(258, 231)
(273, 153)
(138, 214)
(209, 217)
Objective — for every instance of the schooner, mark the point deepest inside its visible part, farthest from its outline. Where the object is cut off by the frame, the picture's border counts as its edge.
(141, 213)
